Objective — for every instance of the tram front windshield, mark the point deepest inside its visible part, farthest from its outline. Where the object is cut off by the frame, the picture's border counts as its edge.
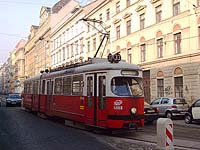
(127, 86)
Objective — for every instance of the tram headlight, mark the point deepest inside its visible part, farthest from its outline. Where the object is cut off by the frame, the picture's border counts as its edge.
(133, 110)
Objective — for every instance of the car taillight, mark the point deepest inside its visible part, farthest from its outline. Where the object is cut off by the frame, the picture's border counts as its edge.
(173, 106)
(157, 109)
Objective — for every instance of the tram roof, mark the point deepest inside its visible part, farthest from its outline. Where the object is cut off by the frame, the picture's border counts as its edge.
(97, 64)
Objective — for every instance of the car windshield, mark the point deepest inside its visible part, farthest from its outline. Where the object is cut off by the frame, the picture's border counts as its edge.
(179, 101)
(127, 86)
(14, 96)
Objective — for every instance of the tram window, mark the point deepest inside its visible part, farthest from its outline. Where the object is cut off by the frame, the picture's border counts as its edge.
(43, 87)
(126, 86)
(102, 92)
(89, 91)
(58, 86)
(77, 85)
(25, 88)
(67, 85)
(35, 87)
(28, 88)
(48, 88)
(52, 87)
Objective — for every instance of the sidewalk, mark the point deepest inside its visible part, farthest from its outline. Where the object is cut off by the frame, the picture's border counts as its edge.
(148, 143)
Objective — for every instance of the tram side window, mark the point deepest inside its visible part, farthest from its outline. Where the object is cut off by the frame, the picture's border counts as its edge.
(89, 91)
(35, 87)
(28, 88)
(102, 92)
(25, 88)
(43, 86)
(58, 86)
(77, 85)
(67, 85)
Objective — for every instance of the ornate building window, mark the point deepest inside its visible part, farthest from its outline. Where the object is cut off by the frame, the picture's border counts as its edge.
(128, 27)
(88, 27)
(100, 17)
(160, 87)
(143, 52)
(76, 48)
(72, 51)
(118, 32)
(142, 21)
(81, 46)
(160, 84)
(129, 55)
(128, 3)
(63, 53)
(177, 43)
(108, 14)
(160, 48)
(178, 82)
(158, 13)
(118, 7)
(176, 7)
(88, 46)
(198, 3)
(67, 51)
(94, 44)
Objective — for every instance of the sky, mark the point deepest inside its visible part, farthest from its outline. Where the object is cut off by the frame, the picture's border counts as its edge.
(16, 18)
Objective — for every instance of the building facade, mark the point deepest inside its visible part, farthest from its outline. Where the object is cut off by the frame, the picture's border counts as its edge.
(42, 42)
(30, 55)
(19, 67)
(161, 36)
(68, 33)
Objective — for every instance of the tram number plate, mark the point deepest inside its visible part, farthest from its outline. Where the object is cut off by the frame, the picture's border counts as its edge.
(118, 107)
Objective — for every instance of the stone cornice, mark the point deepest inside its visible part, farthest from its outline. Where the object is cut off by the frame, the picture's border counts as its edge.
(154, 1)
(127, 15)
(140, 8)
(116, 21)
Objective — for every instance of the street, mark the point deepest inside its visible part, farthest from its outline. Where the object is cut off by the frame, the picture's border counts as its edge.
(22, 130)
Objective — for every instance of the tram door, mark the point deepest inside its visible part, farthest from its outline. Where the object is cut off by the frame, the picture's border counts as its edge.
(96, 100)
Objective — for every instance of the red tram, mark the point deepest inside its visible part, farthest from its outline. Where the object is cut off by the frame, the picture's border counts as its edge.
(98, 94)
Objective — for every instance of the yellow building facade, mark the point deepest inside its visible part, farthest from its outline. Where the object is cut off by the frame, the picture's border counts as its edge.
(37, 49)
(161, 36)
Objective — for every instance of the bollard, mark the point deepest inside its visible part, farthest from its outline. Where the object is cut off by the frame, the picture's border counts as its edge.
(165, 134)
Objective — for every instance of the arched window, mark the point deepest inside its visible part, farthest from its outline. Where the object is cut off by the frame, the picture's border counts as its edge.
(160, 84)
(143, 49)
(159, 43)
(129, 53)
(178, 82)
(177, 38)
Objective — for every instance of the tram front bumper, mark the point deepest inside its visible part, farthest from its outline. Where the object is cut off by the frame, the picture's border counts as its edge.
(126, 122)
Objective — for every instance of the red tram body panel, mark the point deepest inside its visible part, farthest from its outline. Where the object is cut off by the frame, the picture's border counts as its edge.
(99, 94)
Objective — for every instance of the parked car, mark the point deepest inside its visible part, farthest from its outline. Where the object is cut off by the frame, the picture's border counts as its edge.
(170, 107)
(150, 113)
(193, 113)
(13, 99)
